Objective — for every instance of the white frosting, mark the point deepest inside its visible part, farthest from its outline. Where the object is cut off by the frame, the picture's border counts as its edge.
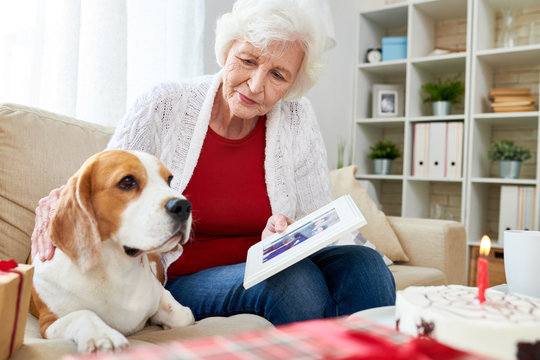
(493, 328)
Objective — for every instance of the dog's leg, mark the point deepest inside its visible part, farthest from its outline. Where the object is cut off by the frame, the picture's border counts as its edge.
(171, 313)
(88, 331)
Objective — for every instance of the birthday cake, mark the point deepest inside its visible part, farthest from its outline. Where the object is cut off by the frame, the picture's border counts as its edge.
(502, 326)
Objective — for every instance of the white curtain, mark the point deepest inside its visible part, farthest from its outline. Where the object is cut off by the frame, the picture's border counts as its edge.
(91, 58)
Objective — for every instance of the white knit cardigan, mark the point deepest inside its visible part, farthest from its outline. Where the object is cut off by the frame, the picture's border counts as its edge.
(171, 122)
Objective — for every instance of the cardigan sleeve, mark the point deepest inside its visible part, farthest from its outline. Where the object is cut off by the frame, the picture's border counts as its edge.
(310, 163)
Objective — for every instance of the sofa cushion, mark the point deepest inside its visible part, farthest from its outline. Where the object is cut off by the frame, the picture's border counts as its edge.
(39, 151)
(407, 275)
(377, 230)
(35, 347)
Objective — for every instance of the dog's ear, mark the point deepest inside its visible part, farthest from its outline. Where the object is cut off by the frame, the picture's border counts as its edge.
(74, 228)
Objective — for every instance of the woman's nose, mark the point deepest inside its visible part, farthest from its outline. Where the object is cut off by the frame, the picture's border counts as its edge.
(257, 81)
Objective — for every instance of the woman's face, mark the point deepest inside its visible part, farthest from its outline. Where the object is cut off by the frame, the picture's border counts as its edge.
(254, 81)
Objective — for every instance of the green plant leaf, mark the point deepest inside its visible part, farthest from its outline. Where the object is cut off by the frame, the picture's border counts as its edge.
(504, 149)
(451, 89)
(384, 150)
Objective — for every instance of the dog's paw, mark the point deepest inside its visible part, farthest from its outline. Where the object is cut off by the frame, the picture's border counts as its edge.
(104, 339)
(181, 316)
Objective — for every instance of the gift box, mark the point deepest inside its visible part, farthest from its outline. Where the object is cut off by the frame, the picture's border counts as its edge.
(15, 291)
(394, 48)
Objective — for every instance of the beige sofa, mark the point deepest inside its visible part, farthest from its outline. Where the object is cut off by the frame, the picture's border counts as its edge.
(39, 150)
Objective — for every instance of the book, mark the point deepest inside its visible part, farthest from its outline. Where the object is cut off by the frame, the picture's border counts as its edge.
(510, 103)
(511, 98)
(301, 239)
(509, 91)
(515, 108)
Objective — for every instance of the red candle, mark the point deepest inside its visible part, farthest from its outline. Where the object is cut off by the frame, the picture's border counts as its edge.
(482, 278)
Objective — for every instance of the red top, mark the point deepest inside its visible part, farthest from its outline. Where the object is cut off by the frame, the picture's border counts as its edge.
(230, 202)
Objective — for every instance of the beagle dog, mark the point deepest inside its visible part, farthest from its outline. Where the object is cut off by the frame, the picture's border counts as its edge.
(112, 218)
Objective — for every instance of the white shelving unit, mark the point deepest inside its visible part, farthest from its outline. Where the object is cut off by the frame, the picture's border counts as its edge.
(418, 21)
(483, 66)
(485, 126)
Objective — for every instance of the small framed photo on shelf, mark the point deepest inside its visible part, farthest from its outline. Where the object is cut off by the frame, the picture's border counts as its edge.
(387, 100)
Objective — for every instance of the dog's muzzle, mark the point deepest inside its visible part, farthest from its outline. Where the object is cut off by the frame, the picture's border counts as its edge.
(179, 209)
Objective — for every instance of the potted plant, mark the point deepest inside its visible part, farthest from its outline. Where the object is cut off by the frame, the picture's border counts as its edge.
(383, 153)
(509, 156)
(342, 146)
(443, 93)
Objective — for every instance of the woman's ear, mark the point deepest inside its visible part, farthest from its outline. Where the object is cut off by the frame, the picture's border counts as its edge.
(74, 228)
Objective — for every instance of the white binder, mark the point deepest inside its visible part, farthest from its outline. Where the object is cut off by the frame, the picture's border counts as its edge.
(508, 209)
(454, 149)
(420, 153)
(437, 149)
(526, 207)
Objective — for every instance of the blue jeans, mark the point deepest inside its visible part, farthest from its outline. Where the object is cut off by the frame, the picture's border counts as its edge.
(337, 280)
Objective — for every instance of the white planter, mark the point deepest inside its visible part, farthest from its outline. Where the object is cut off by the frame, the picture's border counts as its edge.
(509, 169)
(382, 166)
(441, 108)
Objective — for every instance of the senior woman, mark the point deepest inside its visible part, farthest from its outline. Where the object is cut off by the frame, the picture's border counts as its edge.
(246, 150)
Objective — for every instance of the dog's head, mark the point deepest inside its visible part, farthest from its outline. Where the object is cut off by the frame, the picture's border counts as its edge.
(122, 196)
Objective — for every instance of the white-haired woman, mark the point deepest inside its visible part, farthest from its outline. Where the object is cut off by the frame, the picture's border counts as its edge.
(246, 150)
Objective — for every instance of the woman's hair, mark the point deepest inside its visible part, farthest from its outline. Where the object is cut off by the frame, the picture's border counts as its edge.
(260, 22)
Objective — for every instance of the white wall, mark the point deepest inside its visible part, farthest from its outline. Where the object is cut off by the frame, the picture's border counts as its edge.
(332, 95)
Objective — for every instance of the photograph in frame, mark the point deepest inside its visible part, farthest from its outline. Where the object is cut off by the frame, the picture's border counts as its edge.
(297, 236)
(301, 239)
(387, 100)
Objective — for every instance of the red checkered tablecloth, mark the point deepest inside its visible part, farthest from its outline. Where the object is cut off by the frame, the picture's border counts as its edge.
(329, 339)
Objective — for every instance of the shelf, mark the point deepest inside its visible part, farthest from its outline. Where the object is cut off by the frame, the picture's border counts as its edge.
(502, 181)
(432, 118)
(442, 64)
(385, 68)
(507, 3)
(388, 16)
(494, 244)
(441, 10)
(431, 179)
(526, 55)
(527, 116)
(378, 177)
(384, 122)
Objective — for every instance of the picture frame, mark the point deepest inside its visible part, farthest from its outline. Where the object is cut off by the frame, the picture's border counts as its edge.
(301, 239)
(387, 100)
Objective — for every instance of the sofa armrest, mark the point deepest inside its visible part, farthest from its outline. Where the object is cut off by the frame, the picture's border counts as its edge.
(439, 244)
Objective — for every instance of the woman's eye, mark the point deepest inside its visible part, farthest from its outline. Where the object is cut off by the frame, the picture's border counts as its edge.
(248, 62)
(278, 75)
(169, 180)
(127, 183)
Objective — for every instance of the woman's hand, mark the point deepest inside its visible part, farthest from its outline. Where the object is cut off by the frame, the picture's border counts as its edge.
(41, 241)
(276, 223)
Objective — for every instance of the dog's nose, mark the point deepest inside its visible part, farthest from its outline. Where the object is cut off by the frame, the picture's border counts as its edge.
(179, 208)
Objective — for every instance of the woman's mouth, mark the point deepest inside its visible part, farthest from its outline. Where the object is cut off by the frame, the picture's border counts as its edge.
(246, 100)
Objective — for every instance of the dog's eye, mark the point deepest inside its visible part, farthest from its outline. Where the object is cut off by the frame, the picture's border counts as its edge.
(169, 180)
(127, 183)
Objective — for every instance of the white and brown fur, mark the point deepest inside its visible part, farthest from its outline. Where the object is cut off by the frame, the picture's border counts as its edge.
(112, 217)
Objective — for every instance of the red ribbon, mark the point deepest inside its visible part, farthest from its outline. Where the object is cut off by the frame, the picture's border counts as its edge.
(8, 266)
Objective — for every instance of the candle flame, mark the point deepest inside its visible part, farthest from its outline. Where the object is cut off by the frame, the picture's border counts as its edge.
(485, 245)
